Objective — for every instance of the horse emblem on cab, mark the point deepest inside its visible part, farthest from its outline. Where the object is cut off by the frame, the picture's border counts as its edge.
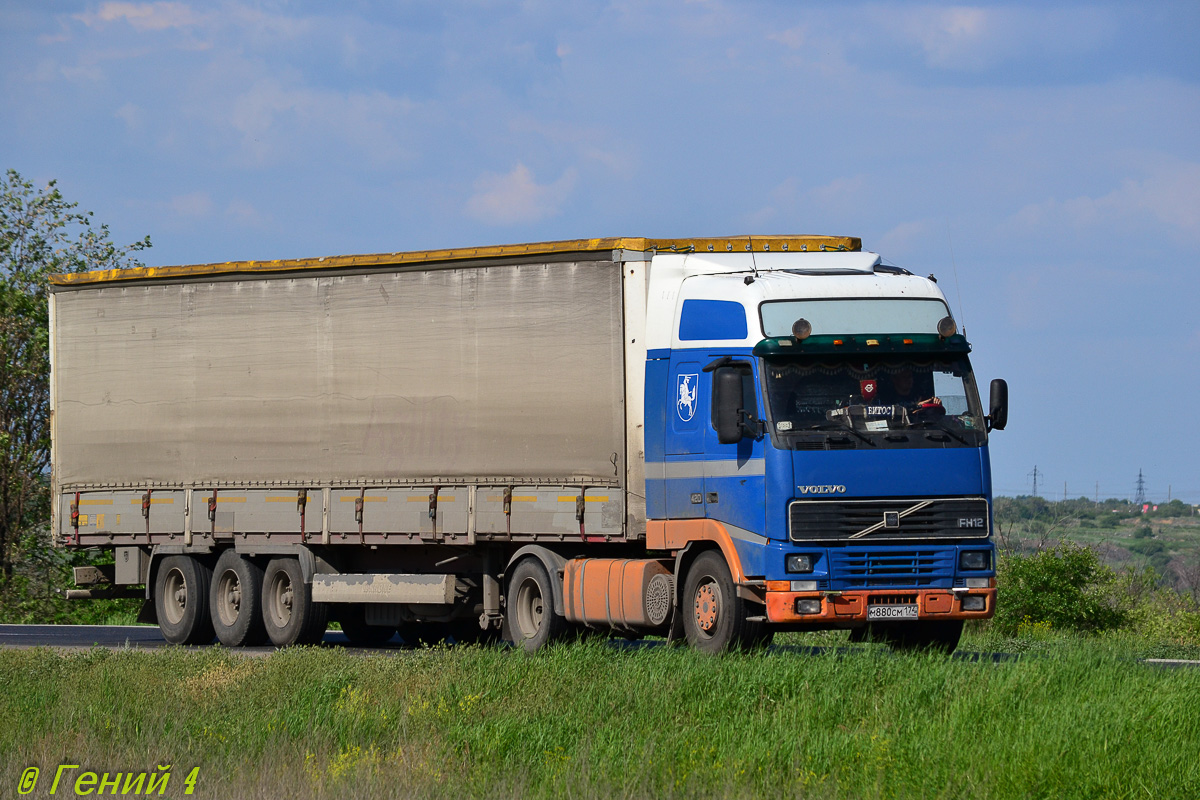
(685, 403)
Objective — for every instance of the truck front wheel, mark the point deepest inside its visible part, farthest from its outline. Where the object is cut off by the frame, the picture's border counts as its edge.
(181, 597)
(289, 613)
(532, 621)
(236, 599)
(715, 619)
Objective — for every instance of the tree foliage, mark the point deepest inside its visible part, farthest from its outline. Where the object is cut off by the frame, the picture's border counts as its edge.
(40, 234)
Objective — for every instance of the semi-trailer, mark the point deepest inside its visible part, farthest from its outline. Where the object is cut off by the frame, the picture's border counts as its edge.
(711, 439)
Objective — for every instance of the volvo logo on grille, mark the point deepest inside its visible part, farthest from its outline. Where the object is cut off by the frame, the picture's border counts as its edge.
(891, 519)
(970, 522)
(822, 489)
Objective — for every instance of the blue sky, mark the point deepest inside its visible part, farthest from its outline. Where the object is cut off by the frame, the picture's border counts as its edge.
(1042, 159)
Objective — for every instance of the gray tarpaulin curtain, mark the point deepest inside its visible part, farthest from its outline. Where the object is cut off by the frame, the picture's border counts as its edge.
(500, 371)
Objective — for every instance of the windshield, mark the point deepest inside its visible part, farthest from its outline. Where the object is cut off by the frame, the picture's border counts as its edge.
(882, 401)
(850, 316)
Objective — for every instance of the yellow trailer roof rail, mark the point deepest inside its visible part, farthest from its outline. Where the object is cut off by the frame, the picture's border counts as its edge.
(733, 244)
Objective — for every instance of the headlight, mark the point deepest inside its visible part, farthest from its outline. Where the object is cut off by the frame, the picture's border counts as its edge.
(800, 563)
(974, 559)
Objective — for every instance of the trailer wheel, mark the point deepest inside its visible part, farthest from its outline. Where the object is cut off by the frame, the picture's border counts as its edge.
(353, 619)
(532, 621)
(235, 601)
(181, 597)
(714, 617)
(289, 613)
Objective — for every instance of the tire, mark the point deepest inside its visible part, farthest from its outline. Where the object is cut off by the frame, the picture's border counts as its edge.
(940, 636)
(289, 613)
(181, 590)
(354, 624)
(235, 601)
(714, 617)
(529, 610)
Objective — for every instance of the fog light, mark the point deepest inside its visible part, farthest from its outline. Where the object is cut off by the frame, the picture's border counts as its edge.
(808, 605)
(800, 563)
(979, 583)
(974, 602)
(974, 559)
(804, 586)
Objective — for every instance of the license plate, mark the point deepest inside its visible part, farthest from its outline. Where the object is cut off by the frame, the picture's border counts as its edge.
(892, 612)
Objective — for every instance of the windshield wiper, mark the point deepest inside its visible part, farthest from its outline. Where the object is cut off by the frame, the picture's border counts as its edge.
(929, 423)
(837, 426)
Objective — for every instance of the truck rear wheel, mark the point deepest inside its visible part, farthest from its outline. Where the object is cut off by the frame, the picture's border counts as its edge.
(181, 597)
(714, 617)
(289, 613)
(235, 601)
(532, 621)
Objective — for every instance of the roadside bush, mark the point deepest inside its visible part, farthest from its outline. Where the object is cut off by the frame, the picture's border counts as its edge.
(1065, 586)
(41, 575)
(1156, 612)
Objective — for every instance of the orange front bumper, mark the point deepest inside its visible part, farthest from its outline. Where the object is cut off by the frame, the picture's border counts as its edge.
(849, 609)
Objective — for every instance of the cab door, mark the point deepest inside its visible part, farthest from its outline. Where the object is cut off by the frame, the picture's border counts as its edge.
(687, 419)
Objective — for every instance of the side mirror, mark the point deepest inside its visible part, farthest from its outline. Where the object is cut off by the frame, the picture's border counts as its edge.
(727, 405)
(998, 415)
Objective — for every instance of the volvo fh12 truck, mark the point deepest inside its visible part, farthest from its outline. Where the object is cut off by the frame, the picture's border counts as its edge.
(711, 439)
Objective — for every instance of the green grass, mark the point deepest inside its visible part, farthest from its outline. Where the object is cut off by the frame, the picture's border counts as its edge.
(1078, 719)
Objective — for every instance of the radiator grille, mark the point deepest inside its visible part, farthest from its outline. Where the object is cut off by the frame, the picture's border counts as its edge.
(888, 520)
(869, 569)
(891, 599)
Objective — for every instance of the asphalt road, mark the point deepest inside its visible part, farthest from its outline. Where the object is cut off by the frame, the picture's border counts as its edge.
(140, 637)
(144, 637)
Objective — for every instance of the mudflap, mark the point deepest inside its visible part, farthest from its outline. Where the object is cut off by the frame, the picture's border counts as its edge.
(148, 614)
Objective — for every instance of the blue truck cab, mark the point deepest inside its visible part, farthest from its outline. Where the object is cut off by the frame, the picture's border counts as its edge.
(816, 415)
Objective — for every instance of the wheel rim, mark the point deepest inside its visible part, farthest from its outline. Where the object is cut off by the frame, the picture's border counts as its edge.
(229, 598)
(530, 608)
(281, 600)
(707, 606)
(174, 599)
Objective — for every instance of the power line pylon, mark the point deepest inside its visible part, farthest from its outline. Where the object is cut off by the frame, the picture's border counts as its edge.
(1140, 497)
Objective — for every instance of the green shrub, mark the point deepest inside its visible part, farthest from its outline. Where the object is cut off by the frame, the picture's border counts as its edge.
(42, 574)
(1066, 587)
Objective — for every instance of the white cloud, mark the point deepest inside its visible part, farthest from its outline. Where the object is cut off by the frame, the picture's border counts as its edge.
(132, 116)
(904, 238)
(977, 37)
(244, 213)
(274, 118)
(142, 16)
(194, 205)
(1170, 197)
(518, 197)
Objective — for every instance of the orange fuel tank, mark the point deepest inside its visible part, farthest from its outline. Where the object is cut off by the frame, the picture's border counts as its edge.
(618, 592)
